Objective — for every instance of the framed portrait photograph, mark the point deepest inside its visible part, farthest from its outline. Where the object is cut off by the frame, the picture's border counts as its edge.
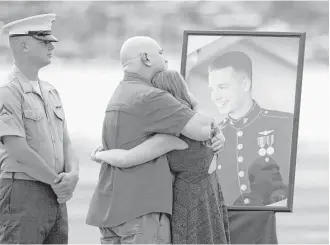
(250, 83)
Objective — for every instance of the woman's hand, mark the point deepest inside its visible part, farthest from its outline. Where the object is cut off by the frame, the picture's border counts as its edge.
(93, 155)
(114, 157)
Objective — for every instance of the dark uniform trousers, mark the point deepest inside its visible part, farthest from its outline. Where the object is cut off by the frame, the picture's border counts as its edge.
(252, 227)
(30, 213)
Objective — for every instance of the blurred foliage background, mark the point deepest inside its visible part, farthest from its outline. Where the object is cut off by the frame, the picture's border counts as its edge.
(89, 30)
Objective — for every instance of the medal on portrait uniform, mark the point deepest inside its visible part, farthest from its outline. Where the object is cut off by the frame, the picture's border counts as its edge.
(270, 142)
(261, 143)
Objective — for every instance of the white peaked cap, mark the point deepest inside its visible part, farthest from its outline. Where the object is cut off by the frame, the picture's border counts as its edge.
(38, 26)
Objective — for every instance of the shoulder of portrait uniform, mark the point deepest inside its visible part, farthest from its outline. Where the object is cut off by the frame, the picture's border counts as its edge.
(276, 114)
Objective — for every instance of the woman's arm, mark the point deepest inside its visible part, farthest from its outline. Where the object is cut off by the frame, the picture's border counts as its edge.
(148, 150)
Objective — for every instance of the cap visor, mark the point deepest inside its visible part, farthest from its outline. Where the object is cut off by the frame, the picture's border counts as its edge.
(49, 38)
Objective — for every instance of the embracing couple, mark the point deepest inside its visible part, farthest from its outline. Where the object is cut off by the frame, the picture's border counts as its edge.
(152, 127)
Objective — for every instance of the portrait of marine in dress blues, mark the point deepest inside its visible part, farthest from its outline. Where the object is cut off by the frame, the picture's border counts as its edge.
(249, 87)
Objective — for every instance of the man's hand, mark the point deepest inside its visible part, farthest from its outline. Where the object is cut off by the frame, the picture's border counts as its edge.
(217, 139)
(218, 143)
(65, 187)
(63, 199)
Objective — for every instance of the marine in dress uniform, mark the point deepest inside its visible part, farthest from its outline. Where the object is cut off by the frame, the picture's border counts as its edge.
(261, 135)
(35, 147)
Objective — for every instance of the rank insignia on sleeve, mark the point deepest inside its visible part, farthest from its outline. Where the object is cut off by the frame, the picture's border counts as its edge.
(4, 111)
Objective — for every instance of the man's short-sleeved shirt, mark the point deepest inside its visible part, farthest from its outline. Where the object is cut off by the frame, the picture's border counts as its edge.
(135, 112)
(35, 114)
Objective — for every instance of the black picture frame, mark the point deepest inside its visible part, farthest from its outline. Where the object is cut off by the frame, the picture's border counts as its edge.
(301, 36)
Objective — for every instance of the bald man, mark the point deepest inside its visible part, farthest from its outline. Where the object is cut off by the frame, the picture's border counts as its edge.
(133, 205)
(39, 170)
